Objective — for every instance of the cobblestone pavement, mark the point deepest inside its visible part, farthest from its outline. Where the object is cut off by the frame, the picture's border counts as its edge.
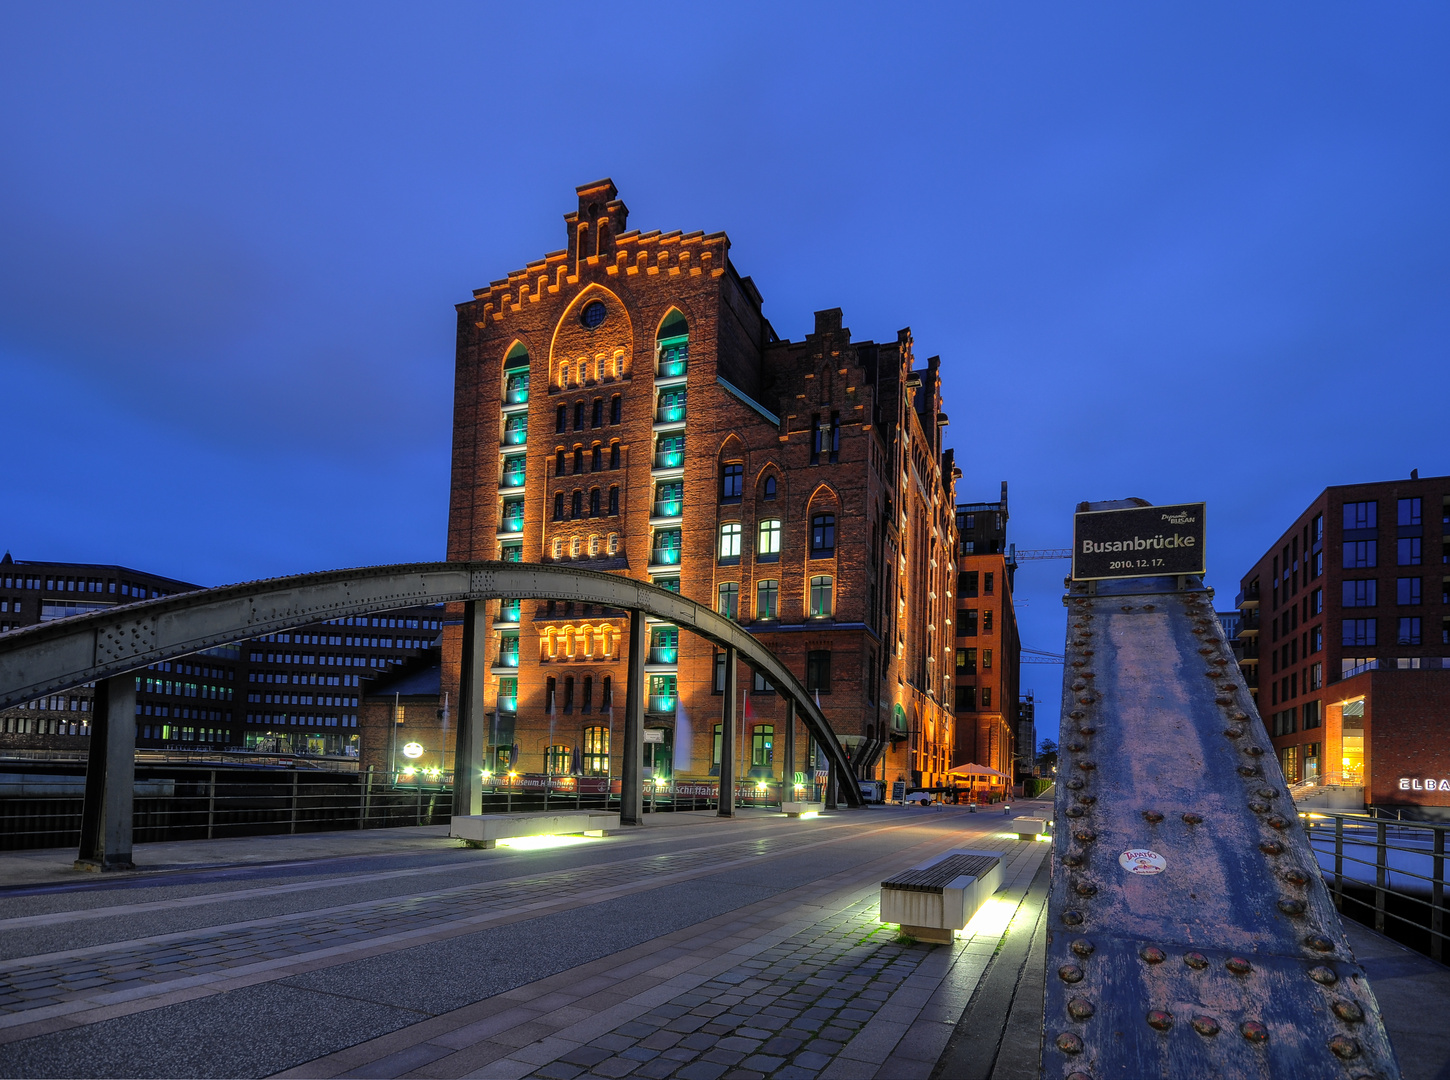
(31, 983)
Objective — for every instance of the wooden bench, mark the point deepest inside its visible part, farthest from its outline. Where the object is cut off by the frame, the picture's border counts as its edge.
(941, 895)
(486, 830)
(796, 809)
(1029, 828)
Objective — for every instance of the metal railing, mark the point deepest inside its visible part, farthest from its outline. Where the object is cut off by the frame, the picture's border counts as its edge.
(1387, 874)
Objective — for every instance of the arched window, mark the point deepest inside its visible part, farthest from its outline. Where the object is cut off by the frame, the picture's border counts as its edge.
(587, 705)
(821, 597)
(596, 747)
(516, 376)
(575, 545)
(613, 502)
(611, 543)
(558, 548)
(559, 463)
(561, 418)
(578, 416)
(767, 546)
(673, 346)
(730, 542)
(578, 459)
(597, 460)
(615, 409)
(578, 506)
(594, 542)
(594, 502)
(769, 487)
(597, 418)
(559, 506)
(614, 455)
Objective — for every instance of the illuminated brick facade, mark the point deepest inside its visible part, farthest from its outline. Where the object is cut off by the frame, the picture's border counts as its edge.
(623, 405)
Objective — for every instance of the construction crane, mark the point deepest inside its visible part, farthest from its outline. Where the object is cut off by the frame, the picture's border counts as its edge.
(1028, 554)
(1039, 656)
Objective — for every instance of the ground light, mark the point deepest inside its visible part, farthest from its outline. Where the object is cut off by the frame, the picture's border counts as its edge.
(808, 814)
(540, 843)
(992, 918)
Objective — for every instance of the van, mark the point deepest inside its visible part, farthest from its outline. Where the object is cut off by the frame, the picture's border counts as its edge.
(872, 791)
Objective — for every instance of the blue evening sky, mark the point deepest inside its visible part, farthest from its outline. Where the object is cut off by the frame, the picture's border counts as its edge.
(1177, 251)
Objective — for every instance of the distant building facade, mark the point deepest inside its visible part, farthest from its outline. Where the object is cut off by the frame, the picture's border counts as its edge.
(295, 692)
(624, 405)
(1352, 603)
(988, 650)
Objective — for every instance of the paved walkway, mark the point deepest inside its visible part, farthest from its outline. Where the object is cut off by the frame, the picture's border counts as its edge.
(696, 948)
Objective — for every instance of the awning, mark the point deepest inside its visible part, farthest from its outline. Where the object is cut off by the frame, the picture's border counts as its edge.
(975, 770)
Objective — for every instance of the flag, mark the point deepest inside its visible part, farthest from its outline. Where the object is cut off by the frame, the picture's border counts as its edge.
(684, 744)
(549, 750)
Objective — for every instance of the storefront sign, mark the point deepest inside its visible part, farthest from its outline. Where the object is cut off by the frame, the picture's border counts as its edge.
(412, 750)
(654, 735)
(1428, 783)
(1142, 541)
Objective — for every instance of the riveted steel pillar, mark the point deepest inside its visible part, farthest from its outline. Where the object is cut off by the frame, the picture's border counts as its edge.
(110, 778)
(727, 738)
(468, 745)
(831, 784)
(787, 774)
(631, 785)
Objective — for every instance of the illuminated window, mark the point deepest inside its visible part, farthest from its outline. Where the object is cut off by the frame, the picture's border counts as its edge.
(596, 751)
(762, 745)
(823, 536)
(767, 548)
(729, 599)
(820, 597)
(767, 599)
(730, 541)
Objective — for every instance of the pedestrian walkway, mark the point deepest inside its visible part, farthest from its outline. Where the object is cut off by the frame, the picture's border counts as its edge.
(402, 953)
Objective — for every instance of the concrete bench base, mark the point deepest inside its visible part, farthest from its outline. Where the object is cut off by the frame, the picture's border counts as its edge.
(1029, 828)
(486, 830)
(932, 900)
(796, 809)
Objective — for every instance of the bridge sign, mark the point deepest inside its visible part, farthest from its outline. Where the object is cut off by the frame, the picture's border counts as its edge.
(1142, 541)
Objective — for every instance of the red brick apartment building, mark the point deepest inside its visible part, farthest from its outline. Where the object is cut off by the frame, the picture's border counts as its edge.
(623, 405)
(989, 652)
(1346, 641)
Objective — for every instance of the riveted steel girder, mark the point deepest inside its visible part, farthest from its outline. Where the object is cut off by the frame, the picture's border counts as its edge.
(1191, 934)
(70, 652)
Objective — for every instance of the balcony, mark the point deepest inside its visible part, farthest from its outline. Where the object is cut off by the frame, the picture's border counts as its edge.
(511, 521)
(661, 703)
(516, 392)
(1249, 625)
(508, 611)
(1251, 676)
(1248, 596)
(516, 431)
(513, 474)
(670, 414)
(507, 660)
(664, 654)
(508, 704)
(674, 360)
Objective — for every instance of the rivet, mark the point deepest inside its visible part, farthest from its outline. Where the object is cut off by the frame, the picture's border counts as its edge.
(1148, 607)
(1085, 836)
(1075, 811)
(1254, 750)
(1292, 907)
(1086, 800)
(1271, 847)
(1238, 965)
(1083, 947)
(1239, 718)
(1323, 975)
(1087, 766)
(1234, 732)
(1127, 607)
(1069, 1043)
(1254, 1031)
(1224, 701)
(1151, 954)
(1075, 784)
(1077, 746)
(1085, 888)
(1070, 973)
(1319, 943)
(1072, 917)
(1160, 1019)
(1078, 664)
(1344, 1047)
(1077, 714)
(1348, 1011)
(1080, 1008)
(1073, 859)
(1249, 770)
(1087, 729)
(1258, 806)
(1207, 650)
(1079, 685)
(1267, 793)
(1277, 822)
(1205, 1025)
(1196, 960)
(1152, 816)
(1193, 819)
(1294, 876)
(1084, 700)
(1088, 674)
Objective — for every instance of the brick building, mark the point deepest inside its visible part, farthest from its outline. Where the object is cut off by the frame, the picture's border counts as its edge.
(988, 650)
(1347, 617)
(624, 405)
(293, 692)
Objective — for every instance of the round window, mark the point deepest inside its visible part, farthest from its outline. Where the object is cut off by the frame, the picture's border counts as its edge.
(592, 315)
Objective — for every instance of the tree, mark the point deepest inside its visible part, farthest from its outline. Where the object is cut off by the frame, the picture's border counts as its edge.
(1047, 755)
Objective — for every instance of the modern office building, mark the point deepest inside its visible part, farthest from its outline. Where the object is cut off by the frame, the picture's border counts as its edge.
(294, 692)
(988, 650)
(1345, 635)
(624, 405)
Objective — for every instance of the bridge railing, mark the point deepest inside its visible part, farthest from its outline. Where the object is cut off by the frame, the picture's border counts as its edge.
(1386, 874)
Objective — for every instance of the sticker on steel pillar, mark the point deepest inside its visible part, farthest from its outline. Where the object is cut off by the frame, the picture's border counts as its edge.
(1142, 861)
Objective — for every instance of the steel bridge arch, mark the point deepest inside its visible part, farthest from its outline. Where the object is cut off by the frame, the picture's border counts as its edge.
(80, 649)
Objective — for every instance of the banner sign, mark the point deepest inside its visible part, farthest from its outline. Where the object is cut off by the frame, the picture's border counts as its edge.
(1142, 541)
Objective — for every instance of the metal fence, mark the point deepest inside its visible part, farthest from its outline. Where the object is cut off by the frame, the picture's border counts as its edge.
(43, 809)
(1386, 874)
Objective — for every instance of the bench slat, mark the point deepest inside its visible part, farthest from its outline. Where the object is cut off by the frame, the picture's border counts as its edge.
(934, 878)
